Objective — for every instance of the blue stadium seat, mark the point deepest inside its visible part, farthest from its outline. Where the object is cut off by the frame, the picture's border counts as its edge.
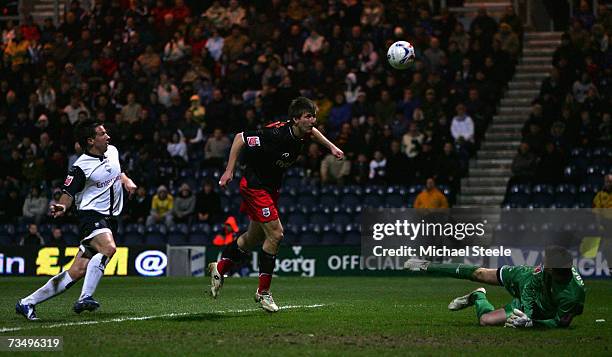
(374, 200)
(133, 234)
(156, 234)
(341, 218)
(586, 194)
(297, 218)
(350, 200)
(328, 200)
(293, 182)
(331, 238)
(306, 199)
(565, 195)
(319, 218)
(595, 175)
(352, 238)
(309, 238)
(177, 234)
(395, 200)
(542, 195)
(519, 195)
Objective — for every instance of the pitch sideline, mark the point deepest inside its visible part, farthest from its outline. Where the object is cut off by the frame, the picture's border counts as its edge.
(142, 318)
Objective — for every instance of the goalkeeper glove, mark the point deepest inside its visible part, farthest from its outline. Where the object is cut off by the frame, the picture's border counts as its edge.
(518, 319)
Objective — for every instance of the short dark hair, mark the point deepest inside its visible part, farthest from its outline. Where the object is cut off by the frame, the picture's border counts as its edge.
(301, 105)
(86, 130)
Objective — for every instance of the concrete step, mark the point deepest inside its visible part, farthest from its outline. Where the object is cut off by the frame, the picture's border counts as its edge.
(533, 76)
(481, 200)
(524, 84)
(489, 172)
(512, 93)
(505, 128)
(502, 136)
(491, 164)
(515, 109)
(514, 101)
(535, 59)
(484, 181)
(542, 35)
(495, 154)
(534, 68)
(543, 42)
(538, 51)
(485, 190)
(500, 145)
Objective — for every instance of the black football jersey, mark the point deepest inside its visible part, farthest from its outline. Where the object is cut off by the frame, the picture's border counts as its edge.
(268, 153)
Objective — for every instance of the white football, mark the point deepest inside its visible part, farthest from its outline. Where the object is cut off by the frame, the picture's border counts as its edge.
(401, 55)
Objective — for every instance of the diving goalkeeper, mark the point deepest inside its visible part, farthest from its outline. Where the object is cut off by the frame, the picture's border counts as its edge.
(548, 296)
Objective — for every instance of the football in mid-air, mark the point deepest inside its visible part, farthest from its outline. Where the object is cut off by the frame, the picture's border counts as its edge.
(400, 55)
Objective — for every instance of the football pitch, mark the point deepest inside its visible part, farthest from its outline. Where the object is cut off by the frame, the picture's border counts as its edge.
(321, 316)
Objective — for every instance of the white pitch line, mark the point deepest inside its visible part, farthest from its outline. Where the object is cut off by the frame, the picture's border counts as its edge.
(141, 318)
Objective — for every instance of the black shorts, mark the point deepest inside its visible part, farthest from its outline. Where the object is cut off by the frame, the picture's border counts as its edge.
(91, 224)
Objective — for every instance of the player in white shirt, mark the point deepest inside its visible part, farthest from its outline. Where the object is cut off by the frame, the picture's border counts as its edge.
(94, 183)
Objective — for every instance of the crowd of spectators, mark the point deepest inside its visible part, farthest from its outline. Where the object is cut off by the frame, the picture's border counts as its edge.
(571, 115)
(173, 80)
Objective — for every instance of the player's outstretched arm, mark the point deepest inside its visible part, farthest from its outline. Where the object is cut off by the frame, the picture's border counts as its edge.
(237, 146)
(129, 185)
(60, 208)
(320, 138)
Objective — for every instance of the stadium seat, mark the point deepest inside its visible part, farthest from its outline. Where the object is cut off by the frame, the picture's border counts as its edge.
(395, 200)
(352, 238)
(519, 195)
(133, 234)
(374, 200)
(542, 195)
(156, 234)
(319, 218)
(565, 195)
(586, 194)
(7, 234)
(306, 199)
(341, 218)
(297, 218)
(328, 200)
(309, 238)
(177, 234)
(331, 238)
(350, 200)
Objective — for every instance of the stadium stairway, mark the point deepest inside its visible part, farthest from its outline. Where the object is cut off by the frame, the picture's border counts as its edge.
(42, 9)
(489, 172)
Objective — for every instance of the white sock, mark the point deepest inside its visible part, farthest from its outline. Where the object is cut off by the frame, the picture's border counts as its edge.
(95, 270)
(55, 286)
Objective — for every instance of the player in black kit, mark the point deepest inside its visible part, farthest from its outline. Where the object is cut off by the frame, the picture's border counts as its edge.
(268, 153)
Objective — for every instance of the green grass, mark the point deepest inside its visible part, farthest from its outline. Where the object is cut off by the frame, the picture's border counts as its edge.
(391, 316)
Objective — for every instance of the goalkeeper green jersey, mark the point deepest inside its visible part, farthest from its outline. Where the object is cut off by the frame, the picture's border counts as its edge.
(546, 302)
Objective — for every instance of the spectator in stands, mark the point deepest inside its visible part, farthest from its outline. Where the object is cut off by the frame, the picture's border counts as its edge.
(431, 196)
(177, 148)
(161, 207)
(208, 204)
(139, 207)
(32, 238)
(524, 165)
(449, 168)
(551, 164)
(378, 168)
(57, 238)
(412, 140)
(603, 198)
(462, 128)
(509, 40)
(334, 171)
(184, 205)
(216, 149)
(35, 206)
(398, 170)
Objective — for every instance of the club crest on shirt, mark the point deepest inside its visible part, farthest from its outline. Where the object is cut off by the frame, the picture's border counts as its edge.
(68, 180)
(265, 211)
(253, 141)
